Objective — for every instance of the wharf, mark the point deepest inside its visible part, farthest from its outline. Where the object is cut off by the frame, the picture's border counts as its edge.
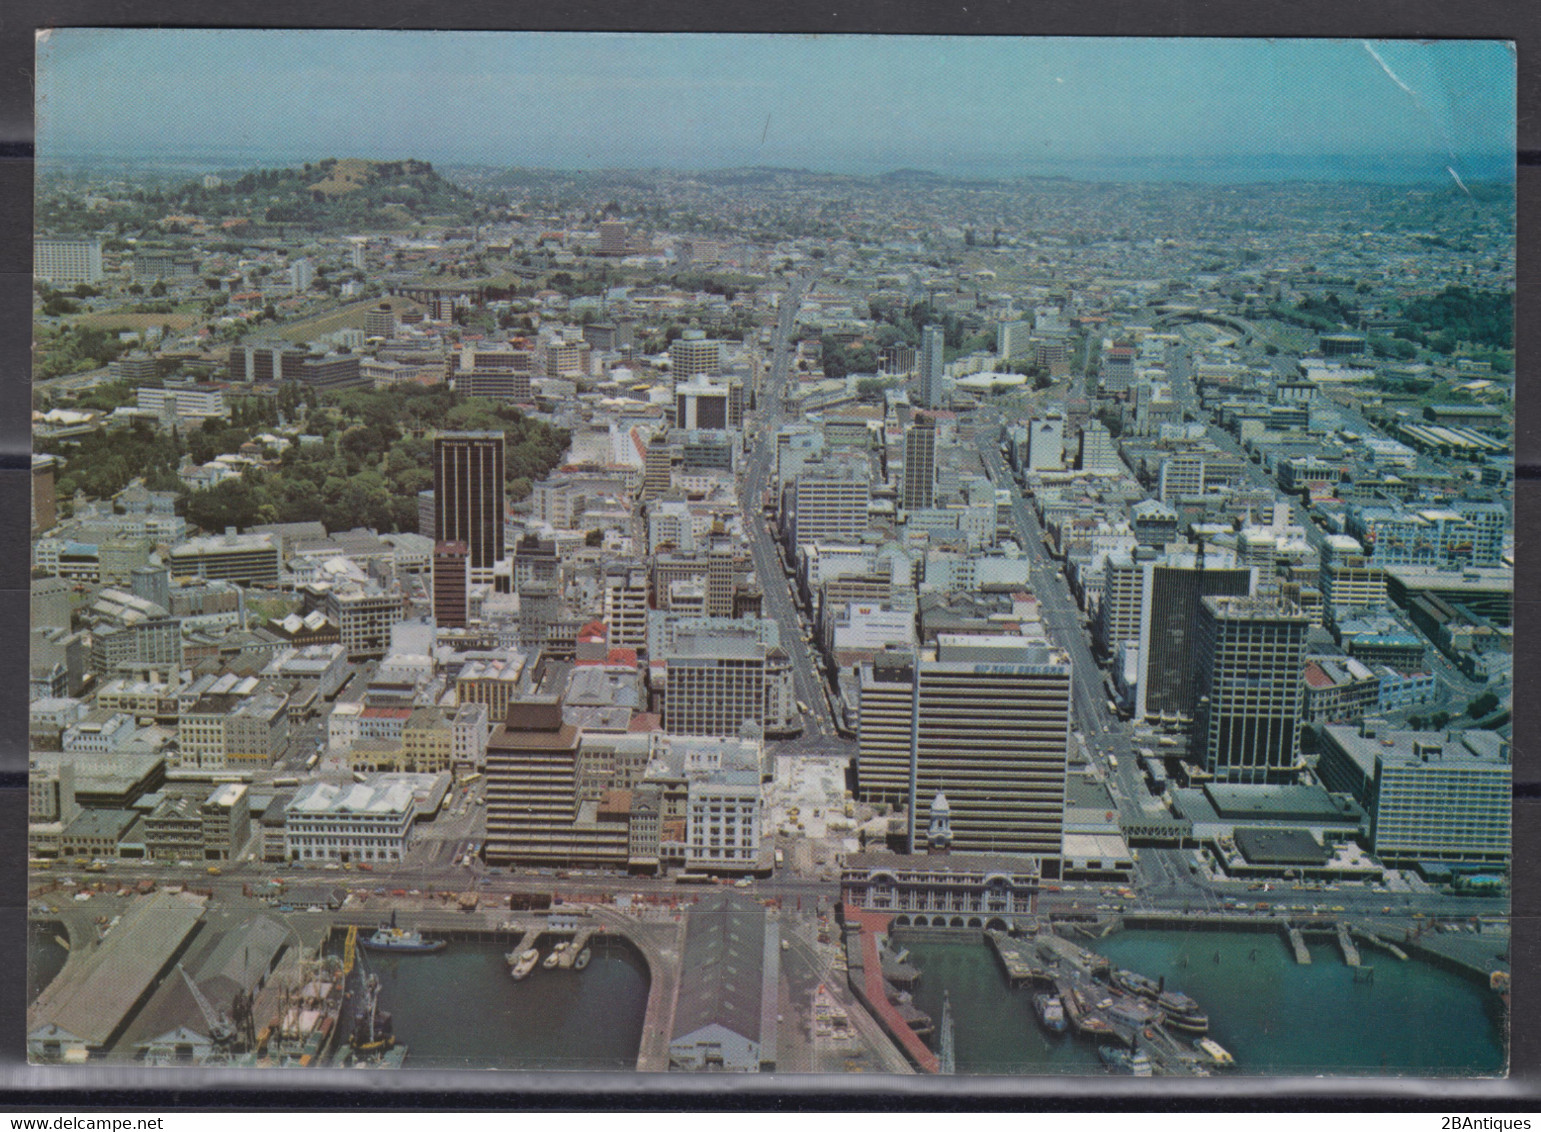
(865, 974)
(1018, 956)
(1374, 940)
(1346, 943)
(1298, 943)
(1054, 950)
(570, 953)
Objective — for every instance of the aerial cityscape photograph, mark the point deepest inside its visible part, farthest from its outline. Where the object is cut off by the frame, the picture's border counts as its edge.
(751, 554)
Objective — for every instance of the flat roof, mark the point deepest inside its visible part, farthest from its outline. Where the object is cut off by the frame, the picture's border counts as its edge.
(1279, 846)
(1305, 803)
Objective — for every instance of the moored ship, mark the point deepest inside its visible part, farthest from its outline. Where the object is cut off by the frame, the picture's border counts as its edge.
(388, 937)
(1051, 1012)
(522, 965)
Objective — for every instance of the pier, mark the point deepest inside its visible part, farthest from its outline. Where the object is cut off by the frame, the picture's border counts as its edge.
(1018, 956)
(570, 955)
(1346, 943)
(1374, 940)
(1298, 945)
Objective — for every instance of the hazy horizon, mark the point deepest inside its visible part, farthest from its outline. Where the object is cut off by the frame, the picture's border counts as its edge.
(994, 108)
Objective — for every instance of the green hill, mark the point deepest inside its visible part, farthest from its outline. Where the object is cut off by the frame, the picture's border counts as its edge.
(324, 194)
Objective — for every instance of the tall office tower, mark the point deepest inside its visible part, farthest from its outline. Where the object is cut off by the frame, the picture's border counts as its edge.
(1169, 601)
(885, 727)
(1181, 475)
(1012, 339)
(1249, 656)
(991, 727)
(699, 403)
(451, 575)
(1046, 443)
(919, 465)
(614, 237)
(657, 467)
(1118, 614)
(67, 262)
(715, 682)
(1489, 521)
(302, 273)
(735, 403)
(625, 604)
(532, 793)
(694, 355)
(1118, 369)
(1098, 453)
(468, 497)
(380, 321)
(719, 579)
(1348, 579)
(931, 344)
(45, 512)
(830, 501)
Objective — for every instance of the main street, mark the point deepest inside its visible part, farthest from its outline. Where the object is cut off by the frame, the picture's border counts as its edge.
(809, 685)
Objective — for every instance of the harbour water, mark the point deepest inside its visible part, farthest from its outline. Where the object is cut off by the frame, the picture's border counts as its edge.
(459, 1009)
(1274, 1015)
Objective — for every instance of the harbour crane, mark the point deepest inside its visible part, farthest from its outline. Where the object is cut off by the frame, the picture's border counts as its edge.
(221, 1029)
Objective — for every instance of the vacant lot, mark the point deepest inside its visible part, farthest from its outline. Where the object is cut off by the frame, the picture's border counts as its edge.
(352, 315)
(127, 320)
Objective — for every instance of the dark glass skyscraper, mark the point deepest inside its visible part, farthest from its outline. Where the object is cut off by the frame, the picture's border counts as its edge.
(1249, 653)
(468, 496)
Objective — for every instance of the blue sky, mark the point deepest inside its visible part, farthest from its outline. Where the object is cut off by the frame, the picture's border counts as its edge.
(703, 101)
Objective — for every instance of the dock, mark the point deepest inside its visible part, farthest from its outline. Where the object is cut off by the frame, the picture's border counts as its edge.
(1346, 943)
(569, 954)
(1374, 940)
(1298, 944)
(1019, 958)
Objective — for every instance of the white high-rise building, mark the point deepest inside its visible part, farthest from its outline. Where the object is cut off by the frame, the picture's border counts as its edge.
(67, 262)
(931, 345)
(1046, 444)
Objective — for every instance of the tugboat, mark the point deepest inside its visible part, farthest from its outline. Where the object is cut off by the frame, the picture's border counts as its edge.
(555, 956)
(388, 937)
(1051, 1012)
(583, 960)
(524, 964)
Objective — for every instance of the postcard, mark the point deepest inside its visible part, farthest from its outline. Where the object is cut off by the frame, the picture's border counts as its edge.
(772, 554)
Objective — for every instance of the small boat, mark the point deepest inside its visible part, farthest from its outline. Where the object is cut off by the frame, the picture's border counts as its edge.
(1118, 1060)
(525, 963)
(1214, 1051)
(1136, 1064)
(583, 960)
(555, 957)
(1051, 1012)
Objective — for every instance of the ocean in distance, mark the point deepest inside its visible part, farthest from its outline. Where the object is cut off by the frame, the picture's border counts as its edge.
(1232, 169)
